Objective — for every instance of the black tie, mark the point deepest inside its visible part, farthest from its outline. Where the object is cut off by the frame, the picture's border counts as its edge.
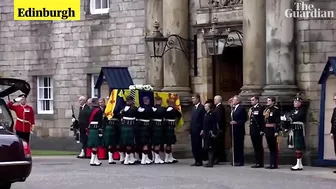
(80, 109)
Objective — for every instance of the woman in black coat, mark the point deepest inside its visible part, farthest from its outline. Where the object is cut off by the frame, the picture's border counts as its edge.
(209, 132)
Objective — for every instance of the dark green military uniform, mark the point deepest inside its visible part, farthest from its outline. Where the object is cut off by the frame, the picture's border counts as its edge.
(127, 125)
(298, 117)
(111, 131)
(171, 116)
(143, 131)
(94, 131)
(158, 125)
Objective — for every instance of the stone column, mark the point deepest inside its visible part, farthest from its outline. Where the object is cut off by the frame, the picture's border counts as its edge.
(254, 61)
(176, 65)
(154, 65)
(280, 67)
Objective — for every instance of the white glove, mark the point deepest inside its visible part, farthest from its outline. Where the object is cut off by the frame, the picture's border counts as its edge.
(73, 120)
(126, 108)
(283, 118)
(18, 99)
(276, 134)
(169, 109)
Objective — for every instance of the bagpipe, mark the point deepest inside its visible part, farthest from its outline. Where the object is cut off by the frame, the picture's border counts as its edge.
(74, 127)
(288, 126)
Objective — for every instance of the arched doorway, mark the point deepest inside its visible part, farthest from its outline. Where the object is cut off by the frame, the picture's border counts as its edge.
(228, 79)
(228, 72)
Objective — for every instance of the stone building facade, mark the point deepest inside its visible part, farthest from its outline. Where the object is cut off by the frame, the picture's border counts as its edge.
(279, 55)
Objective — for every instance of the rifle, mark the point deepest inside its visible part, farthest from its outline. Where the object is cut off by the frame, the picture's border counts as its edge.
(74, 125)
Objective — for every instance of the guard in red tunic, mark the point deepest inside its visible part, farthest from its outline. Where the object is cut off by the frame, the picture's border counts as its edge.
(25, 121)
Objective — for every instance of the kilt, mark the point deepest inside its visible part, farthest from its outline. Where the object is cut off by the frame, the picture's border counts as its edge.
(299, 140)
(169, 134)
(157, 133)
(93, 138)
(143, 133)
(127, 133)
(110, 137)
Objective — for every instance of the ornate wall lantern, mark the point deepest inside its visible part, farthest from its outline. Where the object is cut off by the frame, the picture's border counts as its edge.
(216, 41)
(158, 45)
(157, 42)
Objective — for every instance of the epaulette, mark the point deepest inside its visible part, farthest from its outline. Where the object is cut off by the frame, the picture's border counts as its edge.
(276, 107)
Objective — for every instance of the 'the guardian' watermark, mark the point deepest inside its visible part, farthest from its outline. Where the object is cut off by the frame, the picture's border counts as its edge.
(47, 10)
(304, 10)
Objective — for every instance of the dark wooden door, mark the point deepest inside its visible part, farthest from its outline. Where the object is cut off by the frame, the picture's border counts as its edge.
(228, 79)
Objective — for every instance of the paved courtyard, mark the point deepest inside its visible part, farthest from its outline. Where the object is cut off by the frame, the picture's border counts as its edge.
(70, 173)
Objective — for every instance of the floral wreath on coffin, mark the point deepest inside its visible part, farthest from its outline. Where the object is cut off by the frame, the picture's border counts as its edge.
(141, 87)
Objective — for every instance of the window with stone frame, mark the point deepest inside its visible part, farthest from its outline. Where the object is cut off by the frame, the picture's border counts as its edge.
(99, 6)
(94, 92)
(45, 95)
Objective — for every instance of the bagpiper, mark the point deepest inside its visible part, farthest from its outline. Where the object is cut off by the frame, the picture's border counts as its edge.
(333, 126)
(158, 129)
(296, 131)
(271, 130)
(110, 136)
(127, 126)
(257, 125)
(171, 117)
(95, 131)
(145, 113)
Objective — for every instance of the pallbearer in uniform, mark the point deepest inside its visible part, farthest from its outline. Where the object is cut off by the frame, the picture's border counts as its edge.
(172, 115)
(110, 137)
(333, 126)
(127, 126)
(209, 133)
(297, 118)
(271, 130)
(95, 131)
(158, 129)
(145, 114)
(257, 131)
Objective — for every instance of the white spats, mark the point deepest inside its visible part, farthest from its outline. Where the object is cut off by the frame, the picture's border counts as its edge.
(170, 159)
(157, 159)
(137, 157)
(82, 154)
(122, 157)
(166, 158)
(298, 166)
(145, 160)
(132, 159)
(126, 161)
(94, 160)
(110, 158)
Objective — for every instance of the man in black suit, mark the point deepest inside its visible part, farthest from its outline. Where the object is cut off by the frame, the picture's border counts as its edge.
(220, 155)
(196, 127)
(238, 120)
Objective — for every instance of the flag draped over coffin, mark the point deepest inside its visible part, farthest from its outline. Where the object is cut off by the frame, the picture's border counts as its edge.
(117, 101)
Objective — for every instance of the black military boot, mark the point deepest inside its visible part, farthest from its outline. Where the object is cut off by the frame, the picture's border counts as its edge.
(211, 159)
